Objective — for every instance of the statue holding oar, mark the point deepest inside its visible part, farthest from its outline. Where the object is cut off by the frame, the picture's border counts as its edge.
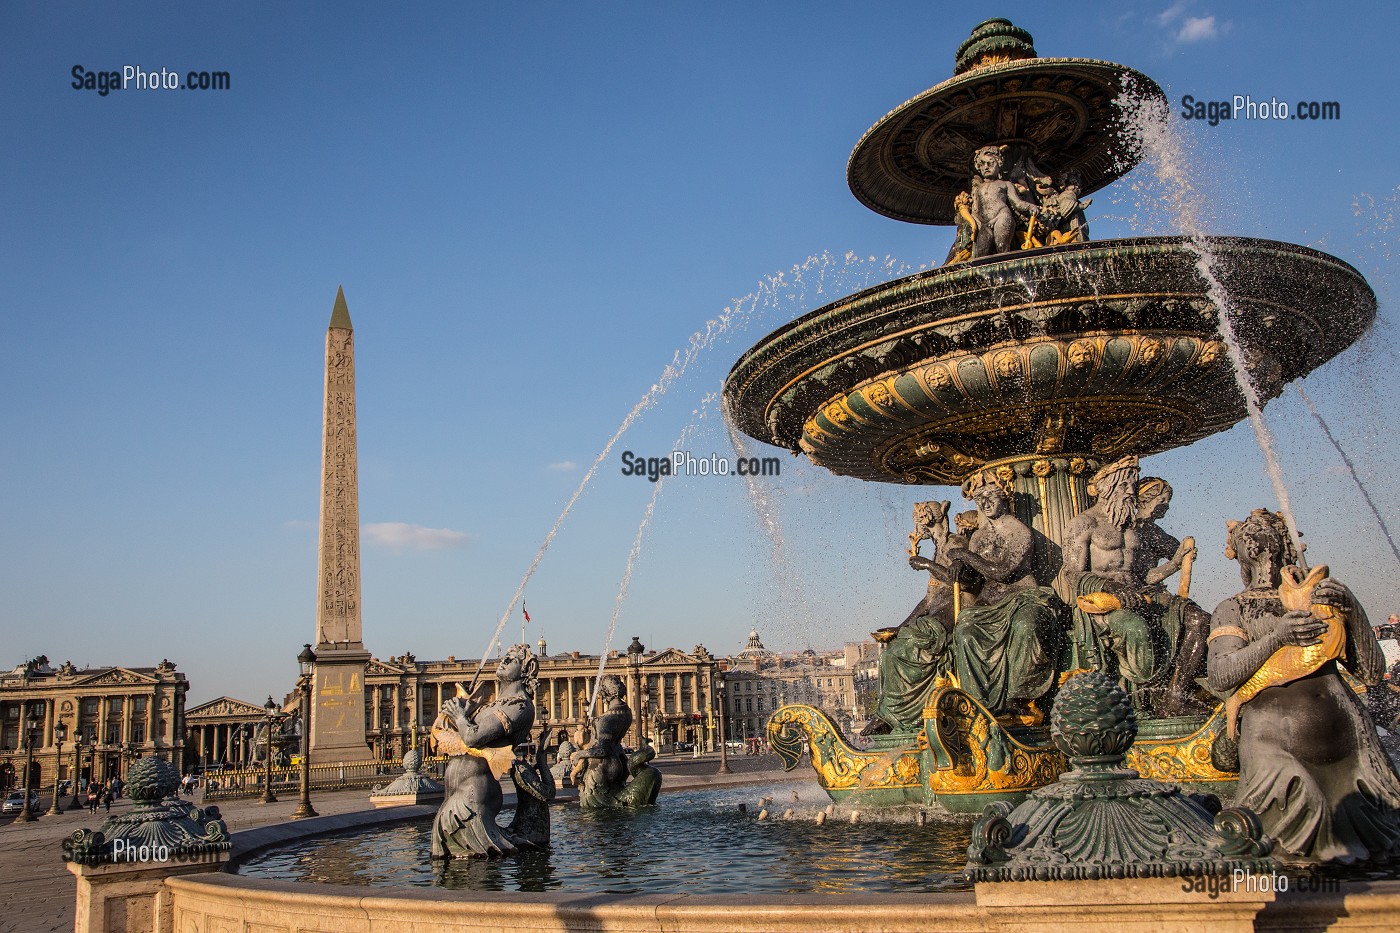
(1311, 763)
(1126, 620)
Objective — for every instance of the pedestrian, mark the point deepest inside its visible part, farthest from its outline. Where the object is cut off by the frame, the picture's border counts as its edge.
(107, 799)
(94, 796)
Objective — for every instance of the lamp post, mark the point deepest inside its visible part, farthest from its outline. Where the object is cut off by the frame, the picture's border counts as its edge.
(307, 660)
(723, 736)
(77, 767)
(268, 796)
(31, 732)
(60, 733)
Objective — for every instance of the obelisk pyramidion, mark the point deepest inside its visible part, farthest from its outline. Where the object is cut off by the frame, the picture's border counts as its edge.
(338, 697)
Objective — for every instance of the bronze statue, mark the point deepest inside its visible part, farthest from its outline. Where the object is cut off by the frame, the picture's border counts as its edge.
(606, 776)
(995, 203)
(1111, 629)
(1311, 763)
(1184, 625)
(918, 650)
(1064, 212)
(480, 738)
(1006, 637)
(534, 792)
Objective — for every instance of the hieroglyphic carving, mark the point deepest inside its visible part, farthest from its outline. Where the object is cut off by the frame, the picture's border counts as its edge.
(338, 584)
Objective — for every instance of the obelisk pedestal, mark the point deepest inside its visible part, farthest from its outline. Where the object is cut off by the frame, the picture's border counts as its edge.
(338, 690)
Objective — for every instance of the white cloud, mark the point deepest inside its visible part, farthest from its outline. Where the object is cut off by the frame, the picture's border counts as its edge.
(299, 523)
(1198, 29)
(403, 536)
(1171, 13)
(564, 466)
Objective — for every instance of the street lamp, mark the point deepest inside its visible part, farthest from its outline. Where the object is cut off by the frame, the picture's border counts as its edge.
(268, 796)
(307, 660)
(60, 733)
(31, 732)
(77, 767)
(723, 736)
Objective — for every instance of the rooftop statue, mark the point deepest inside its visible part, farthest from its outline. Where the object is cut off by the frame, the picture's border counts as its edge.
(1311, 763)
(480, 738)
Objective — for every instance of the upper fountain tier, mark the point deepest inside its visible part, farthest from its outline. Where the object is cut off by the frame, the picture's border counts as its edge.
(1031, 343)
(1056, 114)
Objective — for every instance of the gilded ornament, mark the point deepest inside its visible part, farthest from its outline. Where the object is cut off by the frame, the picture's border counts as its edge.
(1210, 352)
(1007, 364)
(937, 377)
(1041, 468)
(1081, 354)
(1149, 350)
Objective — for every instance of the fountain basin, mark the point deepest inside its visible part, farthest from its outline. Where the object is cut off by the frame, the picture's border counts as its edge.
(1087, 350)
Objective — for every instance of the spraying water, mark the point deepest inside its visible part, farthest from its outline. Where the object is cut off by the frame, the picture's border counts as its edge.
(1351, 468)
(681, 443)
(774, 292)
(1153, 137)
(765, 509)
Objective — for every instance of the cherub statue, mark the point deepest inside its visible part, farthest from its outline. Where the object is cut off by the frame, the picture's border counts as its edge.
(995, 203)
(1064, 212)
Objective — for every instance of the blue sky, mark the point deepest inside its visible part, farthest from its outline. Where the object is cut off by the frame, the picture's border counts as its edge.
(531, 207)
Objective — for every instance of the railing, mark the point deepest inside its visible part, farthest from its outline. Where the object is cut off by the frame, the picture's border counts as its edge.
(286, 779)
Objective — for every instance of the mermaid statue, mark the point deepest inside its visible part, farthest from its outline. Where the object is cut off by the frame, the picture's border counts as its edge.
(1310, 761)
(607, 776)
(481, 738)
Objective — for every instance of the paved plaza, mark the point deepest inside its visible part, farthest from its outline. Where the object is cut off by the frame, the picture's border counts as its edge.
(37, 892)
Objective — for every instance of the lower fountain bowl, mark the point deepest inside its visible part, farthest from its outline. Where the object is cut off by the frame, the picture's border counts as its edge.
(1090, 349)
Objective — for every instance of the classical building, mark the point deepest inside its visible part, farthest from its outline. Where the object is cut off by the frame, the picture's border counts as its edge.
(759, 681)
(221, 732)
(670, 693)
(121, 713)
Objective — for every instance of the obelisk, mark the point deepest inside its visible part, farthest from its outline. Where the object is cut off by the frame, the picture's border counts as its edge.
(338, 693)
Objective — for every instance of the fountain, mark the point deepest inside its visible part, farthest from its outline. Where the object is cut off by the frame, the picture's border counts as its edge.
(1036, 366)
(1034, 369)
